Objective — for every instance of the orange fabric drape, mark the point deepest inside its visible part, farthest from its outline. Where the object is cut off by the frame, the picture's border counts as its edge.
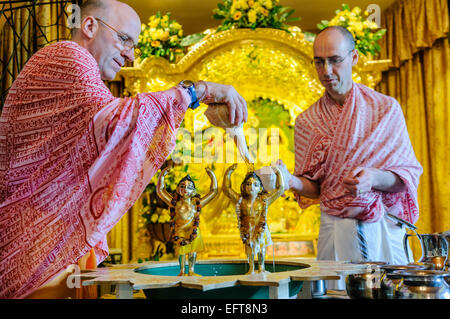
(58, 289)
(412, 25)
(419, 78)
(89, 261)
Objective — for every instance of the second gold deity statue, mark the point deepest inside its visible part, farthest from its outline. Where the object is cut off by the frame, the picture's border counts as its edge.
(251, 209)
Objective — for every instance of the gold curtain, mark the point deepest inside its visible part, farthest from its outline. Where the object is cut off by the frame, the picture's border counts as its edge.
(419, 78)
(24, 33)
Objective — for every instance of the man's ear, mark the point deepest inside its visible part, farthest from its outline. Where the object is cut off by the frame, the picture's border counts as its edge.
(89, 27)
(355, 57)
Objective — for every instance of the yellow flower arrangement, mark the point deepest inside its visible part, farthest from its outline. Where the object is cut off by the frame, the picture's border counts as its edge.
(161, 36)
(252, 14)
(366, 33)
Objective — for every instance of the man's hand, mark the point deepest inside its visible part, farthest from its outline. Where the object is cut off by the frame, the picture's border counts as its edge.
(210, 92)
(366, 179)
(284, 172)
(299, 184)
(359, 181)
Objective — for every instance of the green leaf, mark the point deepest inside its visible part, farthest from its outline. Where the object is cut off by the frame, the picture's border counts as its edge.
(285, 15)
(293, 19)
(309, 36)
(345, 6)
(291, 12)
(191, 39)
(218, 16)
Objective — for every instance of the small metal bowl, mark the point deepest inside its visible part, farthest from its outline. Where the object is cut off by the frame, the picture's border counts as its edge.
(390, 279)
(423, 284)
(367, 285)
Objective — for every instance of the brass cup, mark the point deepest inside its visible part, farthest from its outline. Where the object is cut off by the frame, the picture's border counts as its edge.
(439, 262)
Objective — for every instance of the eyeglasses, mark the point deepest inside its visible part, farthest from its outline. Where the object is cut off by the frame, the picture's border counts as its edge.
(125, 40)
(334, 60)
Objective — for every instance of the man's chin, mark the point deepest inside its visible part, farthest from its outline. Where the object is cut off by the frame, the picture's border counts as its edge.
(108, 76)
(334, 87)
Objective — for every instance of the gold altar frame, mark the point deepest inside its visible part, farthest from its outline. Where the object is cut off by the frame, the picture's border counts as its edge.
(155, 73)
(262, 63)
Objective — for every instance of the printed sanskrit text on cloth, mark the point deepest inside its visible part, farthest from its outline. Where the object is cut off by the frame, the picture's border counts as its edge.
(73, 160)
(369, 130)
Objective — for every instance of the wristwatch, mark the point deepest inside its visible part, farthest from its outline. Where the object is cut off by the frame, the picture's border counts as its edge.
(189, 85)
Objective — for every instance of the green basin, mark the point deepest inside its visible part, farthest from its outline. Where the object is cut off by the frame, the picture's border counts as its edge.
(217, 269)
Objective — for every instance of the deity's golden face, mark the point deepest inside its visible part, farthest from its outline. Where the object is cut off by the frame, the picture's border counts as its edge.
(186, 189)
(252, 187)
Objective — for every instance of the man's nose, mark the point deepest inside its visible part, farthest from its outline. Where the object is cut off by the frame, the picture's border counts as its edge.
(128, 54)
(327, 66)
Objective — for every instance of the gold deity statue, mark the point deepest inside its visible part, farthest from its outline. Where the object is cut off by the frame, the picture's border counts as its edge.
(251, 210)
(185, 206)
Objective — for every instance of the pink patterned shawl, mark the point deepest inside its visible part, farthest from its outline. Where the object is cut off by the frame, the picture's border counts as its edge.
(73, 160)
(369, 130)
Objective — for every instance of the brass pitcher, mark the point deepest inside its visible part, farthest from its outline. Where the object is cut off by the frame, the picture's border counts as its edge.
(434, 249)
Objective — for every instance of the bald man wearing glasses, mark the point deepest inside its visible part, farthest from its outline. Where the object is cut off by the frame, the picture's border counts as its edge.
(353, 155)
(74, 158)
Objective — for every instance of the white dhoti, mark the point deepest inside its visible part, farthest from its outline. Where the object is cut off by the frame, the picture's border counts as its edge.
(347, 239)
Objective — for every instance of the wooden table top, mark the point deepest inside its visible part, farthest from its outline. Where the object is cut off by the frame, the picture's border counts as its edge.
(126, 274)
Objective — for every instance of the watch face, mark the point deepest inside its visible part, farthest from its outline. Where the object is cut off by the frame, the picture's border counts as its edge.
(186, 83)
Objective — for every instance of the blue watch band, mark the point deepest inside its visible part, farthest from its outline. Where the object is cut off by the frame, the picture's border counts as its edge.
(195, 103)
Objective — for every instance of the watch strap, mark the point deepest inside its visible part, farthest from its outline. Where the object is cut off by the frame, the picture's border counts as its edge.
(195, 102)
(189, 85)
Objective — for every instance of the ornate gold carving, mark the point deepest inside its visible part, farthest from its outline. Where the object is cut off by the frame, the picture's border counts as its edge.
(267, 63)
(262, 63)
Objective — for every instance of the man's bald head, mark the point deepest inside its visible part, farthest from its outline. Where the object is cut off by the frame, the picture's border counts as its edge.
(104, 9)
(347, 36)
(94, 7)
(334, 57)
(106, 30)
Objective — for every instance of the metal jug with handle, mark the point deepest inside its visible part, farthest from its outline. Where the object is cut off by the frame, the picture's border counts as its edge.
(446, 235)
(434, 246)
(434, 249)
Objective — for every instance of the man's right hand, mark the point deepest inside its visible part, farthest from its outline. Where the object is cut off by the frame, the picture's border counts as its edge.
(210, 92)
(299, 184)
(284, 172)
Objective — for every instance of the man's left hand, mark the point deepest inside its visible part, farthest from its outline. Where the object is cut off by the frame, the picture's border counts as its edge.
(226, 94)
(359, 181)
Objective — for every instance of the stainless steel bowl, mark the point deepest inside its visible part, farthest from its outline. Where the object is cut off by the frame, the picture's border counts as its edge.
(390, 279)
(423, 284)
(367, 285)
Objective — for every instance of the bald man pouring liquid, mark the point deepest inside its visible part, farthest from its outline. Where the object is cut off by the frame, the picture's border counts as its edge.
(73, 158)
(353, 154)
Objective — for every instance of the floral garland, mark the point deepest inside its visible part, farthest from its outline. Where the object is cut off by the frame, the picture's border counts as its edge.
(366, 33)
(177, 240)
(245, 236)
(252, 14)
